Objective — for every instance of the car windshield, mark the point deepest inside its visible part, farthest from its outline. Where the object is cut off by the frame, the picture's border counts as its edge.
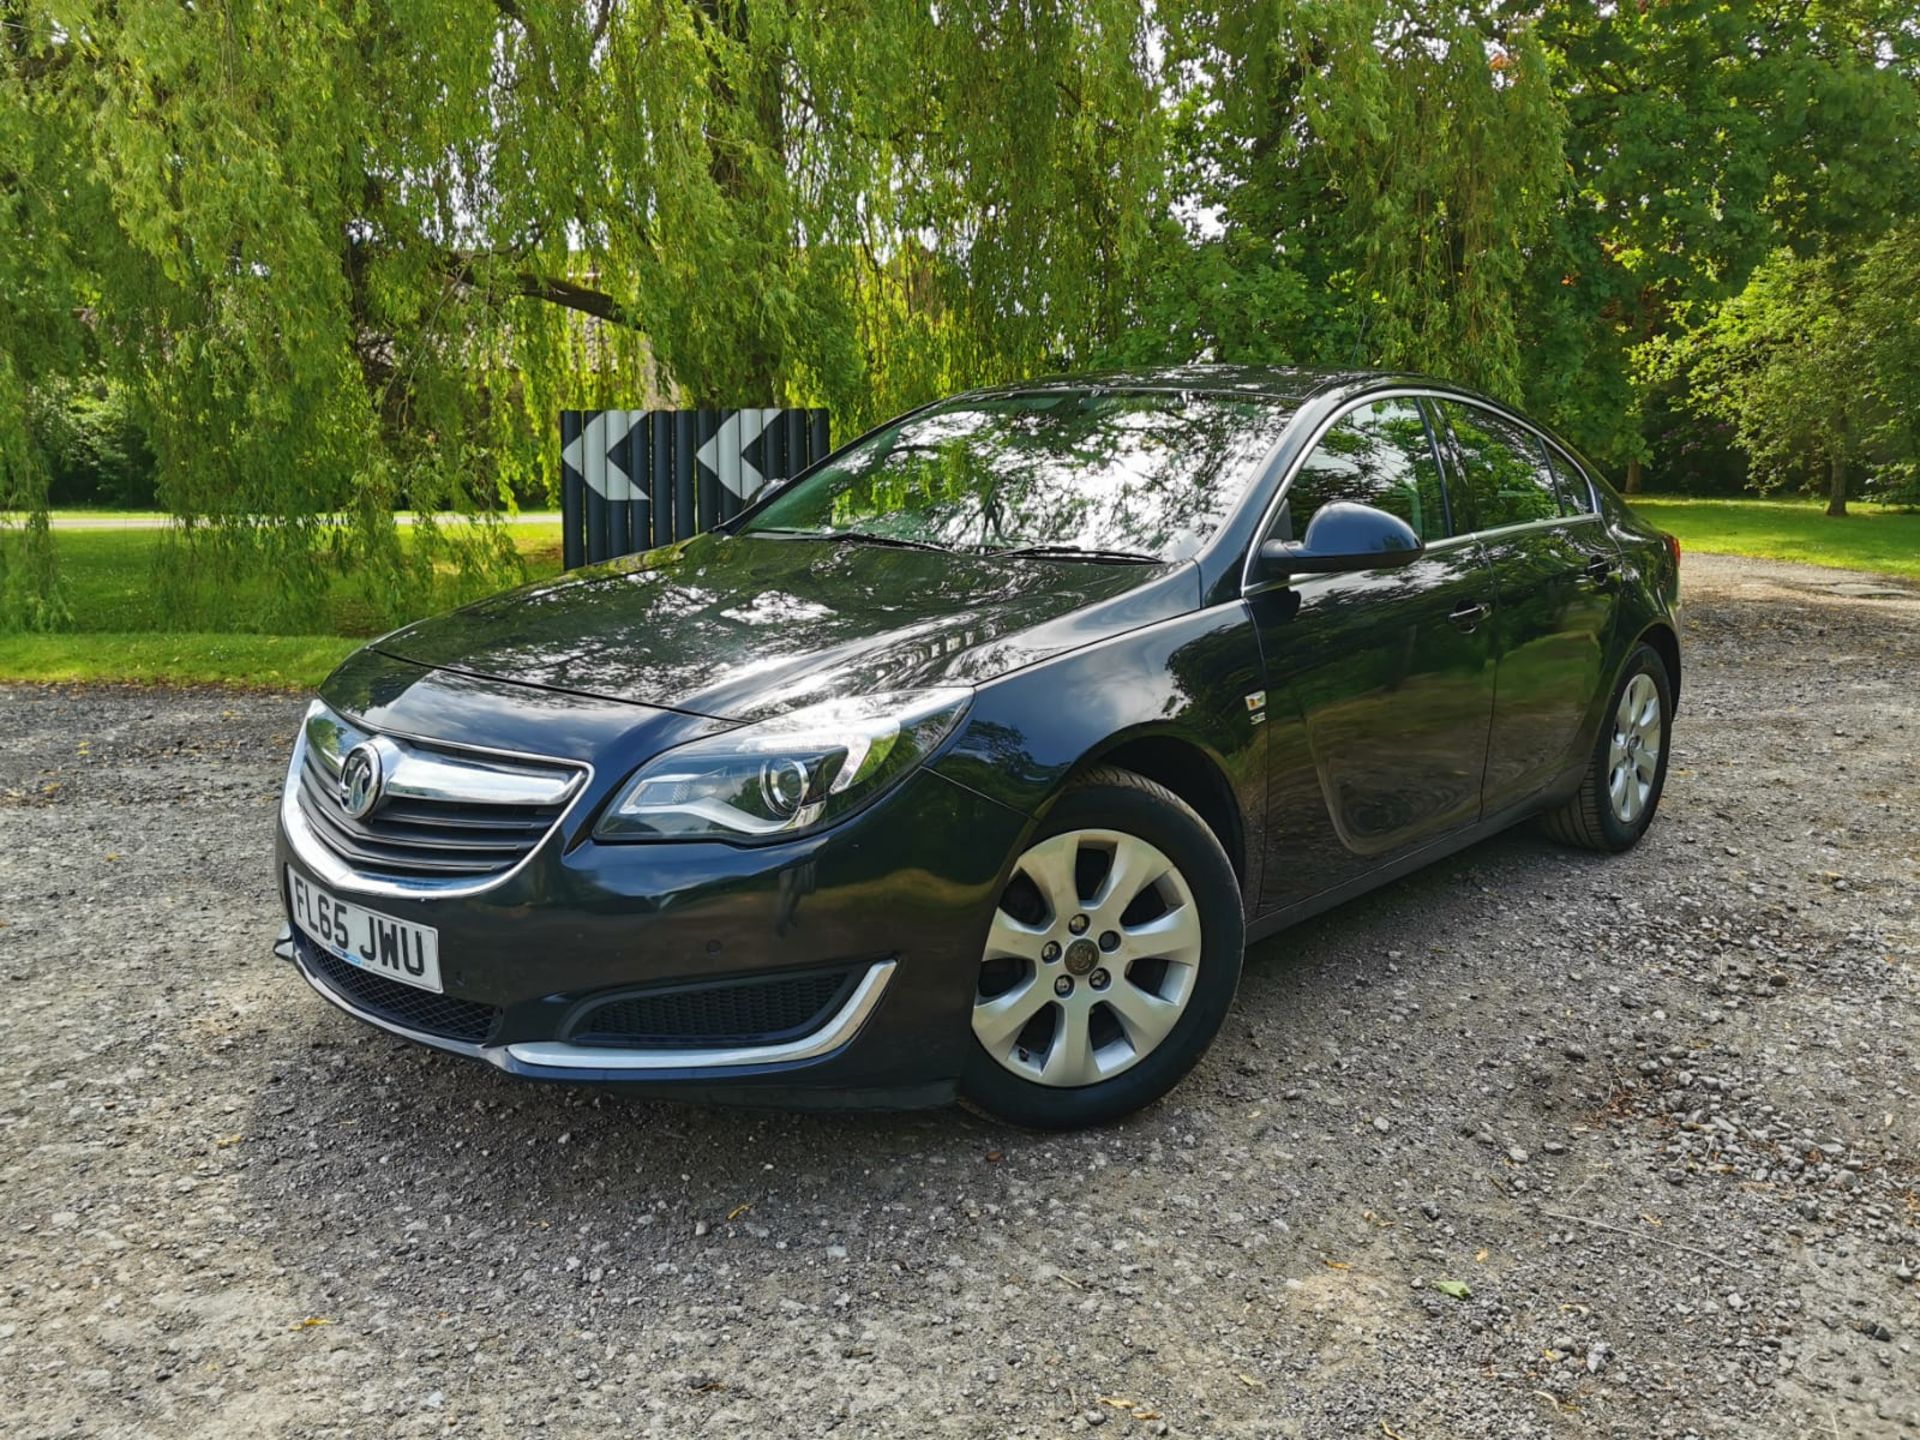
(1123, 474)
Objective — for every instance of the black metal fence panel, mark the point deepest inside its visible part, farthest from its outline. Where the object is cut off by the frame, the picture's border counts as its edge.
(634, 479)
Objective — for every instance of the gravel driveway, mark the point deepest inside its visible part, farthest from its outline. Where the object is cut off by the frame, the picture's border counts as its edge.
(1533, 1143)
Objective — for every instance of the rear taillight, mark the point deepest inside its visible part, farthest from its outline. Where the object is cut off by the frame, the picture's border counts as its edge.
(1673, 548)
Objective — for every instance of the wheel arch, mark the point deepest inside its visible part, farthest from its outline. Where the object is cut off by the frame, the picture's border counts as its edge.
(1666, 644)
(1190, 772)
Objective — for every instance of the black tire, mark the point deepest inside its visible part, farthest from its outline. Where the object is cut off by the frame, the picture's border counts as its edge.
(1109, 798)
(1588, 819)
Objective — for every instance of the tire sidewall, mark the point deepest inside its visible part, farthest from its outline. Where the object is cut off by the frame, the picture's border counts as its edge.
(1158, 818)
(1619, 834)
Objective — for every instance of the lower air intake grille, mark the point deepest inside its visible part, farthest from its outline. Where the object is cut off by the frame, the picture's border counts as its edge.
(404, 1005)
(762, 1011)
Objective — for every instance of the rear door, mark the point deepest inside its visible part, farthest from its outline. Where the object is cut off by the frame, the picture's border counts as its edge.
(1555, 576)
(1380, 682)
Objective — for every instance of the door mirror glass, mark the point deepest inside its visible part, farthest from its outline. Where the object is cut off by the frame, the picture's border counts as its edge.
(1342, 536)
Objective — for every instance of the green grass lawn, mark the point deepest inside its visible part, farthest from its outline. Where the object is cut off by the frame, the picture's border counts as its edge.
(106, 577)
(1871, 537)
(119, 632)
(85, 512)
(91, 512)
(160, 657)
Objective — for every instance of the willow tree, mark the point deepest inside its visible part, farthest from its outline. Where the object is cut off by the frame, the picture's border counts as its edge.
(355, 258)
(38, 336)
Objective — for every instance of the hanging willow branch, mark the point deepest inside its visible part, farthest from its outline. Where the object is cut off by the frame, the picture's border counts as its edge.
(307, 238)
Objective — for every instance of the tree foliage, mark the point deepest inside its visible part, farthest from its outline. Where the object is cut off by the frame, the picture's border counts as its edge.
(1702, 136)
(92, 444)
(1367, 178)
(1816, 365)
(1516, 194)
(343, 258)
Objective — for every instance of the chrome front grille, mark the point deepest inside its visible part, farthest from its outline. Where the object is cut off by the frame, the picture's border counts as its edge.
(444, 815)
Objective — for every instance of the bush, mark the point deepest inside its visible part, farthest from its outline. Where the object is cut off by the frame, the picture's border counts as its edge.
(1896, 485)
(1691, 455)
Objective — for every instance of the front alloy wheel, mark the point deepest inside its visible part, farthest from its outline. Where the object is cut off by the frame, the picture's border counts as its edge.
(1074, 991)
(1110, 959)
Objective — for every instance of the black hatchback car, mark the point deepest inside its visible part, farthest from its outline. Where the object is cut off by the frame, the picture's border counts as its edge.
(970, 760)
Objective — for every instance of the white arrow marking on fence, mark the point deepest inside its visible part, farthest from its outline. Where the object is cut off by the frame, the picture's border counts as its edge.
(736, 432)
(591, 453)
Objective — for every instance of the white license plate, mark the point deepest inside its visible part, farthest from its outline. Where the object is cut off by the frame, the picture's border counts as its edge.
(376, 943)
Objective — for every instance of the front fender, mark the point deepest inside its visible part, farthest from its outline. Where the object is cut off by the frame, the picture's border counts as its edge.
(1195, 679)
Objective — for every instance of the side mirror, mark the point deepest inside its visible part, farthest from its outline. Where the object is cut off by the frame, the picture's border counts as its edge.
(1343, 536)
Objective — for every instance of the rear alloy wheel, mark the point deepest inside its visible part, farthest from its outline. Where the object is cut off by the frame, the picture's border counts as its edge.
(1110, 960)
(1635, 748)
(1621, 790)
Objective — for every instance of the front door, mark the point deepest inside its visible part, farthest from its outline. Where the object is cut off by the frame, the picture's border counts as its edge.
(1380, 682)
(1555, 576)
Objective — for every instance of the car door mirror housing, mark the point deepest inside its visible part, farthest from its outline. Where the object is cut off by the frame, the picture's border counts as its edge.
(1343, 536)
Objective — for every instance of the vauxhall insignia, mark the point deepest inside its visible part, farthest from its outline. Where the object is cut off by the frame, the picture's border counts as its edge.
(912, 775)
(361, 781)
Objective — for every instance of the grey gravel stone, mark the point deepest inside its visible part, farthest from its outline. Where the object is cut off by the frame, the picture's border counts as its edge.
(369, 1224)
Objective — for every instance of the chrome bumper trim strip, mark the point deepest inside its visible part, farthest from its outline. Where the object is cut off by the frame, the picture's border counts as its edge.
(558, 1055)
(838, 1030)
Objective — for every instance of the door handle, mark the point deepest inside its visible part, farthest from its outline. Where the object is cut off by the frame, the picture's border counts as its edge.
(1600, 569)
(1467, 617)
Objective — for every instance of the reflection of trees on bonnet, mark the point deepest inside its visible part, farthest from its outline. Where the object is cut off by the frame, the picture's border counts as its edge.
(1153, 472)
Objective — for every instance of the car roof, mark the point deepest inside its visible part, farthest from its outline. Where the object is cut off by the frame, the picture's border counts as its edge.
(1290, 385)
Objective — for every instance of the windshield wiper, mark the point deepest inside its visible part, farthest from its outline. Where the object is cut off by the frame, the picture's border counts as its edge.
(1076, 552)
(852, 537)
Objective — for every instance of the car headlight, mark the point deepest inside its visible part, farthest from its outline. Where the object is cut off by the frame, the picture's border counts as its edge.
(796, 772)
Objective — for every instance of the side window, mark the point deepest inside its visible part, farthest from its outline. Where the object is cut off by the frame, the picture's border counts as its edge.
(1576, 494)
(1379, 455)
(1507, 477)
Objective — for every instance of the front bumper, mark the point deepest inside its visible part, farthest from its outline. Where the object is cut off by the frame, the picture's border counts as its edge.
(899, 896)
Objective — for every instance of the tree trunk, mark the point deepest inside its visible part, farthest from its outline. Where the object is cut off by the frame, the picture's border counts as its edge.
(1633, 476)
(1836, 486)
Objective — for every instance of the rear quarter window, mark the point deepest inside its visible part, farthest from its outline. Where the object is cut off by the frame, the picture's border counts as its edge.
(1506, 475)
(1576, 491)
